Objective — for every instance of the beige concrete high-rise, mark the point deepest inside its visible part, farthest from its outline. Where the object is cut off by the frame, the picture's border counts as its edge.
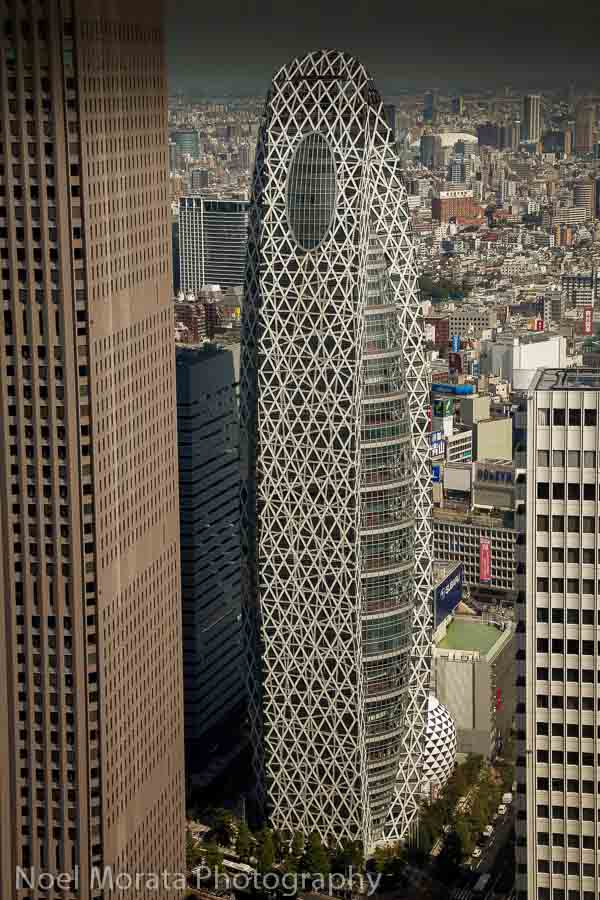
(91, 724)
(585, 126)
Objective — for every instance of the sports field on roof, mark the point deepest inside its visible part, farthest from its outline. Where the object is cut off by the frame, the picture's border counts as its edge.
(463, 635)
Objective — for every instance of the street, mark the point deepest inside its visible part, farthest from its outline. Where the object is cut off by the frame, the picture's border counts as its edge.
(491, 862)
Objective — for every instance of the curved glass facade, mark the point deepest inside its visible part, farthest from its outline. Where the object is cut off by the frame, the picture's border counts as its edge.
(311, 191)
(387, 531)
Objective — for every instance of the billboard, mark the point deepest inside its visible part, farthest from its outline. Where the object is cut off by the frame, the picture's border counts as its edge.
(587, 319)
(455, 343)
(485, 561)
(436, 473)
(448, 593)
(539, 324)
(443, 407)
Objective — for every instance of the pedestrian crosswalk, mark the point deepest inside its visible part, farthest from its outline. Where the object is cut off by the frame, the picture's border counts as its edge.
(462, 894)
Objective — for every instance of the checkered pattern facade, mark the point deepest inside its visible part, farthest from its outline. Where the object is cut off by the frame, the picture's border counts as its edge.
(439, 757)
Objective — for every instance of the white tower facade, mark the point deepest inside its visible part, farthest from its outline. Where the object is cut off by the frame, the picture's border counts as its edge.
(558, 702)
(337, 532)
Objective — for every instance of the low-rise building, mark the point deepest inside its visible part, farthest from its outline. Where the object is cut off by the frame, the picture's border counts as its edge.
(473, 662)
(484, 543)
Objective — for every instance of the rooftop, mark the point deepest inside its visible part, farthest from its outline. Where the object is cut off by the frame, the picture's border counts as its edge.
(464, 635)
(566, 380)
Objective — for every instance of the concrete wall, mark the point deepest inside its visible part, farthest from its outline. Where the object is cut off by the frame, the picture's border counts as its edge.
(492, 439)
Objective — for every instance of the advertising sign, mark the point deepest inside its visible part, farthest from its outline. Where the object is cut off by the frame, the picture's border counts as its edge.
(443, 407)
(436, 474)
(485, 561)
(448, 594)
(539, 324)
(455, 343)
(587, 319)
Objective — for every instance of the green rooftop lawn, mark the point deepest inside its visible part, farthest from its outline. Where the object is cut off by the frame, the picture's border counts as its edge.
(463, 635)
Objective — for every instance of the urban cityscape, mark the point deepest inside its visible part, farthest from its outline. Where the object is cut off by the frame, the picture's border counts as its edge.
(300, 507)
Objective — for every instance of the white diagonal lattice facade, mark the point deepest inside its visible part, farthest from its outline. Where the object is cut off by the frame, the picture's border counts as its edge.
(337, 536)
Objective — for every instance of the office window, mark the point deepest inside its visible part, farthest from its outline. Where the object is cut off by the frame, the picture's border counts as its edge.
(558, 417)
(543, 416)
(558, 457)
(543, 457)
(574, 417)
(590, 417)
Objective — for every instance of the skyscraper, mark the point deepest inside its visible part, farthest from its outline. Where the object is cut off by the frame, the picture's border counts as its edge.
(213, 236)
(429, 107)
(585, 126)
(532, 118)
(558, 610)
(91, 719)
(209, 485)
(337, 537)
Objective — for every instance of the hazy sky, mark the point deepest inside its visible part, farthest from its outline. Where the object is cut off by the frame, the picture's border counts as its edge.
(231, 45)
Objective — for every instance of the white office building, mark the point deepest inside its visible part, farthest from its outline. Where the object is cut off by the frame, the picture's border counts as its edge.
(558, 752)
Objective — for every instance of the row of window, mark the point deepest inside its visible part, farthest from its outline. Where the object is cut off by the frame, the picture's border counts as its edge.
(572, 458)
(574, 491)
(573, 785)
(575, 524)
(557, 645)
(575, 555)
(558, 702)
(572, 417)
(571, 757)
(572, 730)
(573, 585)
(586, 676)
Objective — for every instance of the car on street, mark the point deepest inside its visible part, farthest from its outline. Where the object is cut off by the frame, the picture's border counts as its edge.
(488, 831)
(502, 809)
(476, 853)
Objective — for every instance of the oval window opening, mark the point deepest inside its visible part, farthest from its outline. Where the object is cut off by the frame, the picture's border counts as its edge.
(311, 191)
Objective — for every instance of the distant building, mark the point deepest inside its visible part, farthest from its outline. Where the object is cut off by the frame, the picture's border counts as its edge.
(175, 250)
(431, 151)
(532, 118)
(187, 141)
(488, 135)
(492, 439)
(470, 320)
(517, 357)
(429, 107)
(584, 195)
(585, 127)
(455, 203)
(457, 535)
(213, 236)
(580, 289)
(494, 484)
(209, 485)
(458, 106)
(199, 180)
(473, 662)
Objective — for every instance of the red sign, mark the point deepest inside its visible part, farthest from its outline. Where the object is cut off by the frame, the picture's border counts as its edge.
(485, 561)
(539, 324)
(587, 319)
(498, 698)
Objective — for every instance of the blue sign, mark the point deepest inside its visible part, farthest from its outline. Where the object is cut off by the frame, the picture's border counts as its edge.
(436, 474)
(456, 343)
(476, 368)
(448, 594)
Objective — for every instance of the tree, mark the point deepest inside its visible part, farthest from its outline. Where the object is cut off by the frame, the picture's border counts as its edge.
(213, 857)
(266, 852)
(450, 858)
(193, 852)
(243, 842)
(223, 827)
(381, 858)
(315, 861)
(465, 837)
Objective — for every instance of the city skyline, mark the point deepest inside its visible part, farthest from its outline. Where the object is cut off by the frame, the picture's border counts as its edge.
(229, 47)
